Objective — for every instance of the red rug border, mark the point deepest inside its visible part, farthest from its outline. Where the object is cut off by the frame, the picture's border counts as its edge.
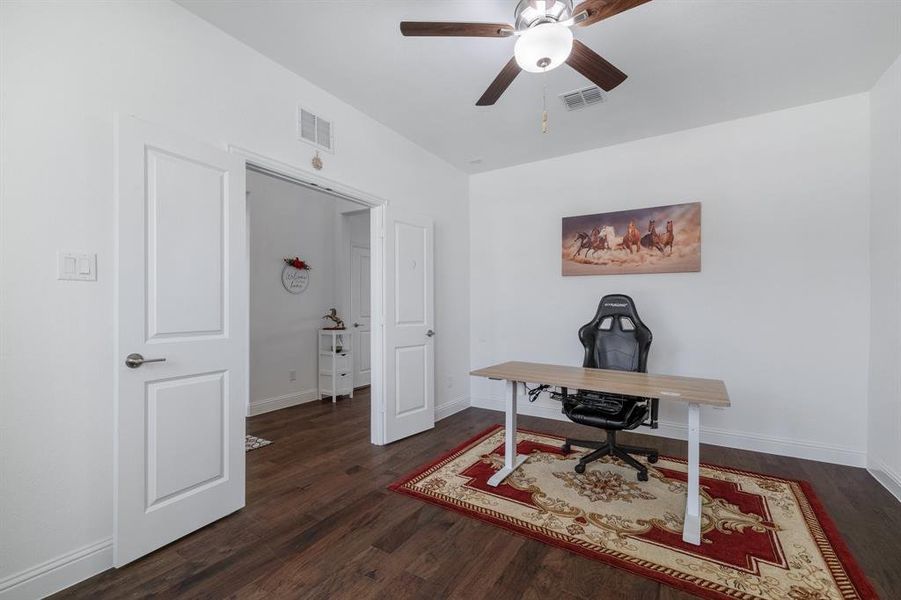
(853, 570)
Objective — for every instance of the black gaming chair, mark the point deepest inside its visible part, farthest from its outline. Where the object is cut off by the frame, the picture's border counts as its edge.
(615, 339)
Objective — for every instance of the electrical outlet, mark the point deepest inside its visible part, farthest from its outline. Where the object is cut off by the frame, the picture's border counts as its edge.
(292, 375)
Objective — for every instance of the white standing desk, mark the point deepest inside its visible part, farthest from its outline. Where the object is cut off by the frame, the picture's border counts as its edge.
(692, 391)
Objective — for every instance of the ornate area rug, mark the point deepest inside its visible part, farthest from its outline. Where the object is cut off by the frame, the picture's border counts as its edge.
(252, 442)
(762, 536)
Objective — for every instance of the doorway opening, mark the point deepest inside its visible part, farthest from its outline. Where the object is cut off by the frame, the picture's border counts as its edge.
(400, 334)
(310, 294)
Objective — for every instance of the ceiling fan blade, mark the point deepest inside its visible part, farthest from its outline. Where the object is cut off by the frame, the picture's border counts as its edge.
(590, 64)
(439, 29)
(500, 83)
(598, 10)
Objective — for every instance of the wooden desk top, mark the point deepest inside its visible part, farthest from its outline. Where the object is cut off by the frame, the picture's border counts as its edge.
(664, 387)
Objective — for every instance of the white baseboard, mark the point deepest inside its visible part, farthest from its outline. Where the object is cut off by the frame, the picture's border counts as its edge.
(450, 408)
(886, 476)
(279, 402)
(58, 574)
(718, 437)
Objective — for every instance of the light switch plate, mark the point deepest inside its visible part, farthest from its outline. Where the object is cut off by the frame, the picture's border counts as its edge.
(76, 266)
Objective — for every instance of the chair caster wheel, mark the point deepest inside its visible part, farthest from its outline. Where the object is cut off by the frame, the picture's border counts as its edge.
(652, 458)
(566, 448)
(580, 468)
(642, 476)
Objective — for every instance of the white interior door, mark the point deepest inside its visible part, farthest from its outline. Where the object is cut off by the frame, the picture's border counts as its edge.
(182, 294)
(409, 357)
(361, 314)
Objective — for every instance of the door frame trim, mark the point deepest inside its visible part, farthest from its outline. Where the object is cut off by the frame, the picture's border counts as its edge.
(288, 172)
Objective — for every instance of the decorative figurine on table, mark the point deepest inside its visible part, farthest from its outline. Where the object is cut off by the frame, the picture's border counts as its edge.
(332, 316)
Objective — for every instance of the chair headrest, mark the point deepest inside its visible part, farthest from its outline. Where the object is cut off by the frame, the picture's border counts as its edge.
(617, 305)
(616, 313)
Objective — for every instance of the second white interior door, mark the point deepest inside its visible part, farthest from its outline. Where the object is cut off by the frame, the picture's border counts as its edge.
(360, 314)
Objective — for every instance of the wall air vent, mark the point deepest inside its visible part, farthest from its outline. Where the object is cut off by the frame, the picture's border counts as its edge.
(584, 97)
(315, 130)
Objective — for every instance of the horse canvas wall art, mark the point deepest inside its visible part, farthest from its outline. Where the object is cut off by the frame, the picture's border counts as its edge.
(662, 239)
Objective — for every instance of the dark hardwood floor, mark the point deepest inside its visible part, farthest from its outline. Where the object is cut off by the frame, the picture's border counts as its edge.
(320, 523)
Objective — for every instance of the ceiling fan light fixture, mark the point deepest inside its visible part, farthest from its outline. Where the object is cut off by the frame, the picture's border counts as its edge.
(543, 47)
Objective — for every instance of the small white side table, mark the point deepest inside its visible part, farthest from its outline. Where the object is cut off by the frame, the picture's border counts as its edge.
(336, 365)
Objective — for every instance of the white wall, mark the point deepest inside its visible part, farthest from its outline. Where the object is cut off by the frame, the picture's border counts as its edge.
(779, 310)
(287, 220)
(885, 280)
(66, 69)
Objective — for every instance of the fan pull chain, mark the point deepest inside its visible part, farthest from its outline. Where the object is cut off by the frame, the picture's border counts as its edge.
(544, 123)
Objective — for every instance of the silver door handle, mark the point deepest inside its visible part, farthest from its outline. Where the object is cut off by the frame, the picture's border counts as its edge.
(356, 324)
(430, 333)
(135, 360)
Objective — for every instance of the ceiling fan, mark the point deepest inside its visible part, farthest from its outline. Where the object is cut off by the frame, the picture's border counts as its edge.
(544, 40)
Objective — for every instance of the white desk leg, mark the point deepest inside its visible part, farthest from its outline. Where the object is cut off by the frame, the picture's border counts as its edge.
(691, 533)
(511, 459)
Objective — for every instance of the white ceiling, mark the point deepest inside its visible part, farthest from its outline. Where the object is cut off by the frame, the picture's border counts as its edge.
(690, 63)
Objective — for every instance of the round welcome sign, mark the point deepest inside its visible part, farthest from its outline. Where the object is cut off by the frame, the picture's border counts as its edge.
(295, 280)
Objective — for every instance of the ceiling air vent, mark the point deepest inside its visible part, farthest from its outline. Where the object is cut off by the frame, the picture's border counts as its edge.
(585, 97)
(315, 130)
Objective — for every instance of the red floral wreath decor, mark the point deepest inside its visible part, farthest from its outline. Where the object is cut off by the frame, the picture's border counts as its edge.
(297, 263)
